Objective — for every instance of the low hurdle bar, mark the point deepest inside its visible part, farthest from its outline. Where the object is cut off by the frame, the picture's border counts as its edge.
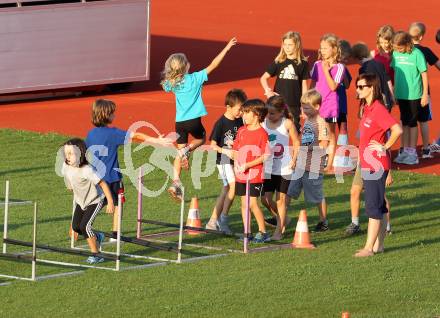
(179, 226)
(34, 245)
(133, 240)
(18, 257)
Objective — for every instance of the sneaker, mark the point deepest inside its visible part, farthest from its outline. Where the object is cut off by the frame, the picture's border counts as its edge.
(352, 229)
(94, 260)
(410, 159)
(389, 232)
(426, 153)
(99, 239)
(224, 227)
(434, 147)
(400, 157)
(250, 237)
(321, 227)
(184, 157)
(176, 191)
(212, 226)
(261, 238)
(271, 221)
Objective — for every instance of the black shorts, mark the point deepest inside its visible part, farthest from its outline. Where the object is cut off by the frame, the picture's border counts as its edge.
(255, 189)
(296, 113)
(409, 111)
(277, 183)
(374, 195)
(342, 118)
(115, 188)
(424, 113)
(191, 127)
(331, 120)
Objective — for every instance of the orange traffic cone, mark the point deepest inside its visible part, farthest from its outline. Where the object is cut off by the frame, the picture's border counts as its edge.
(302, 237)
(193, 219)
(345, 314)
(71, 232)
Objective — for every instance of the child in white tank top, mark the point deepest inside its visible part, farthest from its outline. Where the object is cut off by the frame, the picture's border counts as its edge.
(279, 166)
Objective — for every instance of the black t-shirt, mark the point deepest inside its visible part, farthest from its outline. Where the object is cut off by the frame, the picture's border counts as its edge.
(289, 79)
(375, 67)
(224, 133)
(430, 56)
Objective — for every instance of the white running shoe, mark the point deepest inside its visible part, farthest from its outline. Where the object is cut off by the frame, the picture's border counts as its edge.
(401, 157)
(434, 147)
(410, 159)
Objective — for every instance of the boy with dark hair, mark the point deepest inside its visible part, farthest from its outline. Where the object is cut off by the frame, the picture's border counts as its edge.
(222, 139)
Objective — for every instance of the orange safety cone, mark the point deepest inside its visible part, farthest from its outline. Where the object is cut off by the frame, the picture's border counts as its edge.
(345, 314)
(71, 232)
(193, 219)
(302, 237)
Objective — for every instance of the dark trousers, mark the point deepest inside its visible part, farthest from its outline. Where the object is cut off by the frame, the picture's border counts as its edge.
(83, 219)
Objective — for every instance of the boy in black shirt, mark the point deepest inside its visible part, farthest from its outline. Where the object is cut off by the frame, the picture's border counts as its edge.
(417, 30)
(361, 54)
(222, 139)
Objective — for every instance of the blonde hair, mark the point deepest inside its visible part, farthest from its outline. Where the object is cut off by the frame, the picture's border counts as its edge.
(176, 66)
(102, 110)
(311, 97)
(402, 38)
(333, 41)
(385, 32)
(298, 51)
(417, 30)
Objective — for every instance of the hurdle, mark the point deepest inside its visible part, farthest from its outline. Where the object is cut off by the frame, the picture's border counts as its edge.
(126, 239)
(9, 241)
(243, 236)
(17, 257)
(181, 227)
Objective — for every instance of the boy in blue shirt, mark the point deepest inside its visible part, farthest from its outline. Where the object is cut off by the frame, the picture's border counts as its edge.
(103, 113)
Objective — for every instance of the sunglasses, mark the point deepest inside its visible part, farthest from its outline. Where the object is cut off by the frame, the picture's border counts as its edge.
(361, 87)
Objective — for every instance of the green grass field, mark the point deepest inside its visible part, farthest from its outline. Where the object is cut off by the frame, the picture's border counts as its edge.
(403, 282)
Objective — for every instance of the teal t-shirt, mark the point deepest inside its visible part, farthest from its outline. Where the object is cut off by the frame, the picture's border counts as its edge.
(188, 92)
(407, 74)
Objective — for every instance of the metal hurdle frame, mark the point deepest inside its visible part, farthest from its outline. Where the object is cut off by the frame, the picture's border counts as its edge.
(17, 257)
(35, 245)
(133, 240)
(182, 227)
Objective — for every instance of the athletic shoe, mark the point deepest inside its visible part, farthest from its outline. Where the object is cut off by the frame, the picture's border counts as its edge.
(352, 229)
(321, 227)
(426, 153)
(99, 239)
(261, 238)
(94, 260)
(250, 237)
(434, 147)
(184, 157)
(401, 157)
(410, 159)
(212, 226)
(271, 221)
(224, 226)
(176, 191)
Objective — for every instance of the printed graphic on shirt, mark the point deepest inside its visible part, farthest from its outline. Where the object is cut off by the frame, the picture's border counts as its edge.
(277, 148)
(228, 140)
(308, 135)
(288, 73)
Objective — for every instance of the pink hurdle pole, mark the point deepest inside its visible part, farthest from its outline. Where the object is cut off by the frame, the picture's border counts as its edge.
(139, 214)
(246, 219)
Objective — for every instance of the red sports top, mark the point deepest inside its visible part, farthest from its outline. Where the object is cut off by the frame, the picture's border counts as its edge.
(250, 144)
(375, 123)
